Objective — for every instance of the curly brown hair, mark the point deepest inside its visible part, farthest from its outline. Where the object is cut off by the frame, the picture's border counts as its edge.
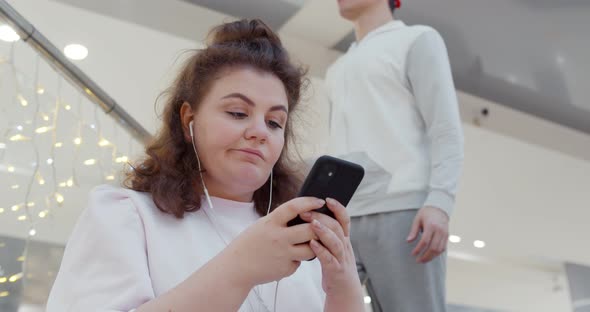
(169, 168)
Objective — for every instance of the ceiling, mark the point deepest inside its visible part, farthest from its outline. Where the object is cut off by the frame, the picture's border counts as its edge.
(275, 13)
(526, 54)
(530, 55)
(529, 203)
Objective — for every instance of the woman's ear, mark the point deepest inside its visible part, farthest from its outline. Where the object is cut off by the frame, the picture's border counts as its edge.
(186, 116)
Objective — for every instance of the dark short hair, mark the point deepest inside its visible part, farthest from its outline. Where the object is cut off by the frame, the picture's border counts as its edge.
(392, 5)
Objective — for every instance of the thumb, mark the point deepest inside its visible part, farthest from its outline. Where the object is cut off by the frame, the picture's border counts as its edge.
(414, 229)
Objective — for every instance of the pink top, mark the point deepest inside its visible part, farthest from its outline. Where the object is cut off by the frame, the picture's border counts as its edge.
(124, 252)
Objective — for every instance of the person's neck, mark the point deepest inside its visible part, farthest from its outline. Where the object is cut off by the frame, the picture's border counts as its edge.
(217, 190)
(370, 19)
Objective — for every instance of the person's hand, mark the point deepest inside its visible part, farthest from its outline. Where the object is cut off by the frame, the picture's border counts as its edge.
(434, 225)
(268, 250)
(339, 274)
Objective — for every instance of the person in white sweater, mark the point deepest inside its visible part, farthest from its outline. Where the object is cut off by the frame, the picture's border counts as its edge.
(394, 110)
(201, 224)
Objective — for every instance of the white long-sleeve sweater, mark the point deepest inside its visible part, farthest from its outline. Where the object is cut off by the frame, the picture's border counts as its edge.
(124, 252)
(394, 110)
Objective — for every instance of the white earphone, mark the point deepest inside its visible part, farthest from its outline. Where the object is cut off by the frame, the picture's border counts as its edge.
(213, 217)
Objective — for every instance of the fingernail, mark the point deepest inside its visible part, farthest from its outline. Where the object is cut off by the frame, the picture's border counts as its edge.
(330, 200)
(306, 214)
(320, 202)
(314, 243)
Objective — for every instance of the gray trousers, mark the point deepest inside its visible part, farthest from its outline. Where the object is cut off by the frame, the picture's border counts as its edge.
(394, 280)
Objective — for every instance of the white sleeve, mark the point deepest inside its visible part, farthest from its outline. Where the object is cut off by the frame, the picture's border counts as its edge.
(104, 267)
(429, 73)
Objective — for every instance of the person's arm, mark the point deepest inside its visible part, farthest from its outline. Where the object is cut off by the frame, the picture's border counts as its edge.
(217, 286)
(266, 251)
(105, 267)
(431, 80)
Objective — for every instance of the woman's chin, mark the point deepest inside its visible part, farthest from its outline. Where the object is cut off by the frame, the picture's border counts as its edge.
(249, 175)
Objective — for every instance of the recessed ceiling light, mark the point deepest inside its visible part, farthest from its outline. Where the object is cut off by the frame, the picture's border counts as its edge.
(76, 51)
(8, 34)
(479, 244)
(454, 239)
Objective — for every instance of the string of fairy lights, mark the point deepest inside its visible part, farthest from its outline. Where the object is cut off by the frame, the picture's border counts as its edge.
(48, 145)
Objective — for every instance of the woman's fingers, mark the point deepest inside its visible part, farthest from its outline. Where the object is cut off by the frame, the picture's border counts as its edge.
(340, 213)
(329, 239)
(326, 220)
(300, 233)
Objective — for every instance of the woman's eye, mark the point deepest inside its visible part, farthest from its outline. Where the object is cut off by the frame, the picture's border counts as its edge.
(237, 115)
(274, 124)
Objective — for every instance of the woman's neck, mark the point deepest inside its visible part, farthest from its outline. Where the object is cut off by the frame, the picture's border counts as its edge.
(215, 189)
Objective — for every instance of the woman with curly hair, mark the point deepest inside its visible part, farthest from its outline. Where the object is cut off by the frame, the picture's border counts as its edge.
(201, 224)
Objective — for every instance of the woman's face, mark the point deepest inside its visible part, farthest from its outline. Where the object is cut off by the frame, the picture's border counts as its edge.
(239, 131)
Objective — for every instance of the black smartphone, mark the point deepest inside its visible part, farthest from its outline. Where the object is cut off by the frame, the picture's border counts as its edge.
(331, 177)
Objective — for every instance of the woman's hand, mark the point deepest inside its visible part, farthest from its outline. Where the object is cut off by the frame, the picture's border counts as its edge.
(269, 250)
(340, 279)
